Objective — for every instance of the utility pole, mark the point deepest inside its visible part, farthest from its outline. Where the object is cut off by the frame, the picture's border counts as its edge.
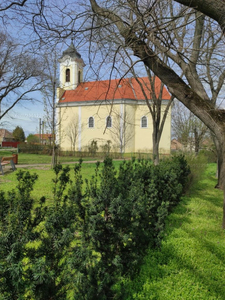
(40, 130)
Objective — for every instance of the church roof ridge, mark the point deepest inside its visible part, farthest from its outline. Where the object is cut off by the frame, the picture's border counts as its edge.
(113, 89)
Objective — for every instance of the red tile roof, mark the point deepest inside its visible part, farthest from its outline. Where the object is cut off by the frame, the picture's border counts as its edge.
(44, 136)
(114, 89)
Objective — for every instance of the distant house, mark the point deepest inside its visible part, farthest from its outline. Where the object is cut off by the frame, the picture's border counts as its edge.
(175, 145)
(5, 136)
(45, 138)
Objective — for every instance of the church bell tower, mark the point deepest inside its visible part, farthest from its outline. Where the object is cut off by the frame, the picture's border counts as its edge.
(71, 68)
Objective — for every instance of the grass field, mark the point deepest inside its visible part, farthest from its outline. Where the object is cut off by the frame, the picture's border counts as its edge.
(25, 158)
(44, 184)
(191, 262)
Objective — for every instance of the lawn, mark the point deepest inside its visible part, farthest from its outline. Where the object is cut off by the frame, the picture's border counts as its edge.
(26, 158)
(44, 184)
(191, 262)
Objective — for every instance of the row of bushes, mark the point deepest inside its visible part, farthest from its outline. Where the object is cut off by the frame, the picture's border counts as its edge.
(34, 148)
(47, 150)
(91, 235)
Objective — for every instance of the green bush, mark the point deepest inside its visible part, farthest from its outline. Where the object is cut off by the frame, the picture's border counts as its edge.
(87, 239)
(34, 148)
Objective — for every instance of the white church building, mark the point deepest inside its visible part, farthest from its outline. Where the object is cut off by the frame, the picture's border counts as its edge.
(109, 110)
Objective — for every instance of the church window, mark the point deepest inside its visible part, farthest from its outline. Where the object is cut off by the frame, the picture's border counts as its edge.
(144, 122)
(67, 75)
(91, 122)
(109, 122)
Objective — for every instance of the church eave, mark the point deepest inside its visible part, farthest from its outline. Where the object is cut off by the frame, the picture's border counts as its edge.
(104, 102)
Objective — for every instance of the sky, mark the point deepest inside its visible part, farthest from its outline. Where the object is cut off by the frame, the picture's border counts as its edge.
(25, 115)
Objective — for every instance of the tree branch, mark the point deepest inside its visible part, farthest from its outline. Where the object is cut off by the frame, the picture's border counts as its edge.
(213, 9)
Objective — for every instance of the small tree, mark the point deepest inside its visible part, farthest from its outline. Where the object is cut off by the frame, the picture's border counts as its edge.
(93, 148)
(32, 138)
(72, 133)
(122, 131)
(106, 147)
(19, 74)
(19, 134)
(187, 128)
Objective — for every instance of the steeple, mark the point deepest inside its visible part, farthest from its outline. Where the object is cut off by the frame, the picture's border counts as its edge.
(71, 68)
(71, 51)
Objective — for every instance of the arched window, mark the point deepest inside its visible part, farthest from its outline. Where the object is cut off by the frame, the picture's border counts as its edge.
(79, 77)
(67, 75)
(91, 122)
(109, 122)
(144, 122)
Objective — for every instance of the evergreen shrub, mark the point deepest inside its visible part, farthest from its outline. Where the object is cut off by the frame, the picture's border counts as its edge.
(89, 237)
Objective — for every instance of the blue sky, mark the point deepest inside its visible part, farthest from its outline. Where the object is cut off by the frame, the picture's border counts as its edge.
(25, 115)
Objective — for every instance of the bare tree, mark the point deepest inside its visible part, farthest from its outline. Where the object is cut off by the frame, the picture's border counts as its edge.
(159, 111)
(122, 131)
(51, 82)
(72, 132)
(215, 9)
(187, 128)
(19, 75)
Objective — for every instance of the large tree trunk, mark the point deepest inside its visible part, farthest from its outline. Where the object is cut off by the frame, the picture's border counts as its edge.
(155, 153)
(155, 142)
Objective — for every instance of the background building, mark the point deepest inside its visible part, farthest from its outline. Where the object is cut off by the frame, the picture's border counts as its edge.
(108, 110)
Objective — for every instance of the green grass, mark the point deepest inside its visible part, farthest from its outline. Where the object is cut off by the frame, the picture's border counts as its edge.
(44, 184)
(191, 262)
(26, 158)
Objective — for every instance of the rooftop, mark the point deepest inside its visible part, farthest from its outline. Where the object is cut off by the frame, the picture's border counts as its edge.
(115, 89)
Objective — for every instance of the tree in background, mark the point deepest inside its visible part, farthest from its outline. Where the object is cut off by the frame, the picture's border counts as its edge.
(72, 132)
(50, 79)
(93, 147)
(187, 128)
(31, 138)
(158, 111)
(122, 131)
(19, 74)
(19, 134)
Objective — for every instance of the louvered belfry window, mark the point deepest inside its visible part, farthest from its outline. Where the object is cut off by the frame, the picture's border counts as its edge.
(67, 75)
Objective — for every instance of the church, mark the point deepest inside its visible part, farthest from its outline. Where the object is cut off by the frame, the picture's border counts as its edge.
(111, 112)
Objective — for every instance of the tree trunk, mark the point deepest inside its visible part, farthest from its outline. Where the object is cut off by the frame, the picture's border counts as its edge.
(156, 154)
(197, 141)
(54, 156)
(155, 142)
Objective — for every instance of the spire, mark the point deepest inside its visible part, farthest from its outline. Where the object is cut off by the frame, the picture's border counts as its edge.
(71, 51)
